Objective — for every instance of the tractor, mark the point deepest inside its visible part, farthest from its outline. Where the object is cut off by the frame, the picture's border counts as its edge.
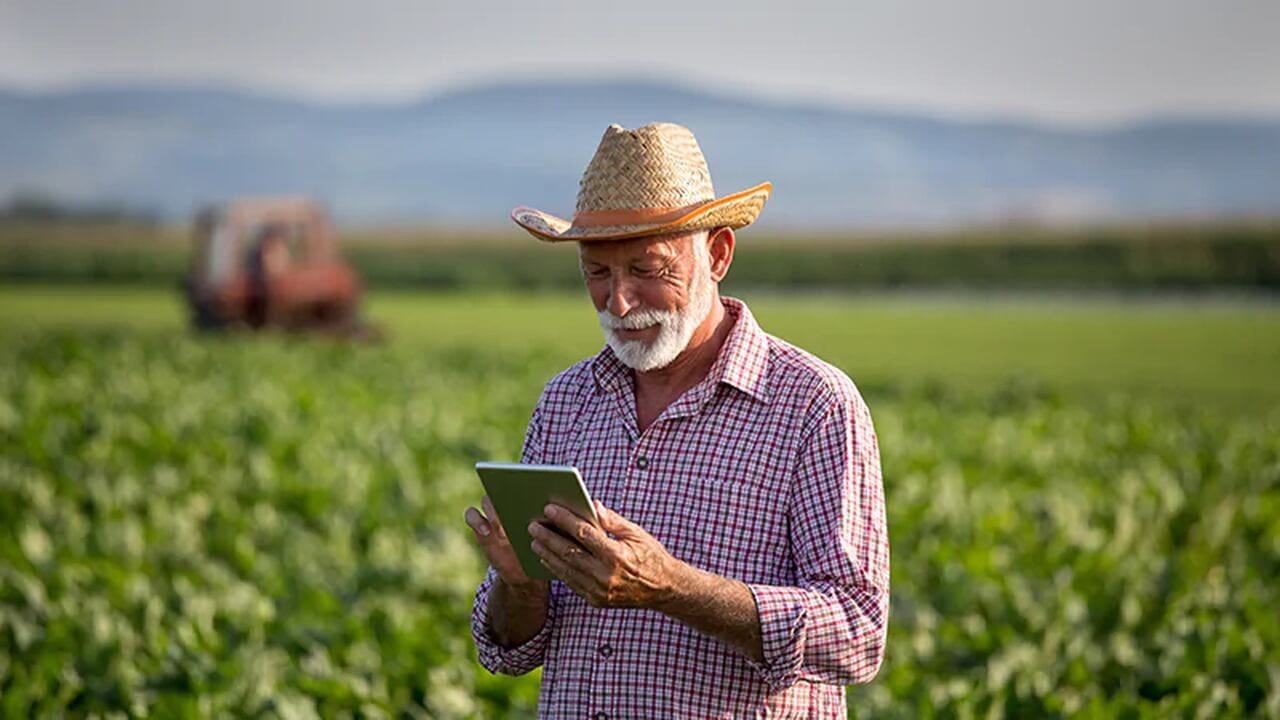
(272, 263)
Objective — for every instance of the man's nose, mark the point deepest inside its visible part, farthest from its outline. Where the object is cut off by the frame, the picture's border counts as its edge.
(620, 298)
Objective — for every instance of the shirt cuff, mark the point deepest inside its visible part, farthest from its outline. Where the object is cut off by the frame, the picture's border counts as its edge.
(782, 612)
(515, 660)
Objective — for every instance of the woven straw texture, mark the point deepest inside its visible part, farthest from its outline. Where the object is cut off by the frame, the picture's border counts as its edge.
(658, 168)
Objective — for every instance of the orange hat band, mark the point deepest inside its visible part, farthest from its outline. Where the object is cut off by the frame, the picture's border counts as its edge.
(632, 216)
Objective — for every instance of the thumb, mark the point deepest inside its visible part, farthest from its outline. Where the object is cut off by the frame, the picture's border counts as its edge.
(610, 520)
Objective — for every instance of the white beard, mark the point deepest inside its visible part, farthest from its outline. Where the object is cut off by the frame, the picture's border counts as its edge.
(675, 327)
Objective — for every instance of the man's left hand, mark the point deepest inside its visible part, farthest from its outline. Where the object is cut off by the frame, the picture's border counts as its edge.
(629, 569)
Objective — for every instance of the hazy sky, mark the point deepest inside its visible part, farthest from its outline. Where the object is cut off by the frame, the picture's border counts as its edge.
(1083, 61)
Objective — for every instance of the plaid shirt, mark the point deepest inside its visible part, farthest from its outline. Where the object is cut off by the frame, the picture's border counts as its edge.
(767, 471)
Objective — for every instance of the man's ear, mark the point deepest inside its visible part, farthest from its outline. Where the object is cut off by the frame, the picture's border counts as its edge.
(720, 248)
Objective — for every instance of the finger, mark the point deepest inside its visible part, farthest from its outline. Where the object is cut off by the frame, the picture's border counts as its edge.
(584, 531)
(478, 524)
(558, 544)
(498, 550)
(495, 522)
(607, 516)
(494, 547)
(613, 523)
(581, 583)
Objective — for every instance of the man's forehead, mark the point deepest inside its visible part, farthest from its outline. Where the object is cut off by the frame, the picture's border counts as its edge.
(651, 245)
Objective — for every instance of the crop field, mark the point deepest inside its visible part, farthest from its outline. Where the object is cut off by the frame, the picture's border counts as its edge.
(1083, 497)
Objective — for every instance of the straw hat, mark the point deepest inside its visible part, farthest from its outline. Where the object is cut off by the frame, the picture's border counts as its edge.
(646, 181)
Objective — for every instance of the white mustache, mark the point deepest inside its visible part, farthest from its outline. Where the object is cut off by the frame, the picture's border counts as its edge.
(636, 319)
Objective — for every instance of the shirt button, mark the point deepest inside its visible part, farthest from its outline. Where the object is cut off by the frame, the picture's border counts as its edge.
(606, 650)
(602, 715)
(642, 462)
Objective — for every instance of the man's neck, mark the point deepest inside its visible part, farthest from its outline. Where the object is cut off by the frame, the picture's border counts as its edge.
(666, 384)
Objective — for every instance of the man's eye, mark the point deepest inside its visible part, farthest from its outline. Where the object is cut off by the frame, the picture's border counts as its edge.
(598, 273)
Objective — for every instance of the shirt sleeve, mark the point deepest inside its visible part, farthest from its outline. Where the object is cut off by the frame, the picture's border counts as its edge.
(530, 654)
(495, 658)
(831, 626)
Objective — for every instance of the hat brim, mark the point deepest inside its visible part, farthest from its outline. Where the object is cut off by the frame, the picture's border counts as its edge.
(736, 211)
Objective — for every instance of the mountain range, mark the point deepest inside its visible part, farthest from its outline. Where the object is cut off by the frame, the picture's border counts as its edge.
(470, 155)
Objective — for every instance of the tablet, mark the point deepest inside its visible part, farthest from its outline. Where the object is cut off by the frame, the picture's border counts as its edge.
(520, 492)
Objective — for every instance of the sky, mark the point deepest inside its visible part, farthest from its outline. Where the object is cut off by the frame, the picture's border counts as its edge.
(1083, 62)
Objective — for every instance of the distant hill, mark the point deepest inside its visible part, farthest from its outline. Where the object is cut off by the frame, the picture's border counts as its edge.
(469, 156)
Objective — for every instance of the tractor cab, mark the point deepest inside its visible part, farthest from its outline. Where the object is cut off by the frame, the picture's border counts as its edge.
(270, 263)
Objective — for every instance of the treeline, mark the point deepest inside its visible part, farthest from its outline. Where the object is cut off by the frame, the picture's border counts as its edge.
(1234, 257)
(39, 207)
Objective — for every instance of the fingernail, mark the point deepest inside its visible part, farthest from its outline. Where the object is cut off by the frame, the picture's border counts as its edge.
(550, 511)
(484, 530)
(533, 528)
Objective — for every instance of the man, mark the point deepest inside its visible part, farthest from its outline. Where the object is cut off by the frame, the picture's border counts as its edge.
(268, 263)
(742, 563)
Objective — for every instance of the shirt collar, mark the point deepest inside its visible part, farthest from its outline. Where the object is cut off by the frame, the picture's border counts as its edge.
(741, 364)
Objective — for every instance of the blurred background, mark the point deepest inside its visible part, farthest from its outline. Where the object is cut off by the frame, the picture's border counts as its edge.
(261, 308)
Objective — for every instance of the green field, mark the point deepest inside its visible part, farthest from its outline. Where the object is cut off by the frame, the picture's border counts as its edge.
(1215, 352)
(1083, 494)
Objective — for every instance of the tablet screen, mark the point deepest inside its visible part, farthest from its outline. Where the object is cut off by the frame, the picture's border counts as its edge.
(520, 492)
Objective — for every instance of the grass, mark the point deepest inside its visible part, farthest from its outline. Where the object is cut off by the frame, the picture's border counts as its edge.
(1222, 353)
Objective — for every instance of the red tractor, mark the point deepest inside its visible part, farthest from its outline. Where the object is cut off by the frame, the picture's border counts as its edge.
(272, 263)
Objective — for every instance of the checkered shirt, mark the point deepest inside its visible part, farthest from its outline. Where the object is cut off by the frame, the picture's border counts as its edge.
(768, 472)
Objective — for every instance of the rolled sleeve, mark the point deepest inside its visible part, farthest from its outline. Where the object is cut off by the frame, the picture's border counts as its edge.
(831, 626)
(495, 658)
(782, 623)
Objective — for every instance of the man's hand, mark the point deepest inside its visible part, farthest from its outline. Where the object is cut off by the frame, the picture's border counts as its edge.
(631, 569)
(493, 540)
(518, 603)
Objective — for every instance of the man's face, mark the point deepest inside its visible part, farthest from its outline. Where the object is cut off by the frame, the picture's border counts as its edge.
(651, 294)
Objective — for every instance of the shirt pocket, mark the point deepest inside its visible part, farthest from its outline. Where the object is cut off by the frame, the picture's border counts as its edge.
(727, 524)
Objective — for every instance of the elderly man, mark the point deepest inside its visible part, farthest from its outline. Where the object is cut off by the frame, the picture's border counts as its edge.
(741, 566)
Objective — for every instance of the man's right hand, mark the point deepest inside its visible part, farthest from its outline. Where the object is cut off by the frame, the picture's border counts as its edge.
(493, 540)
